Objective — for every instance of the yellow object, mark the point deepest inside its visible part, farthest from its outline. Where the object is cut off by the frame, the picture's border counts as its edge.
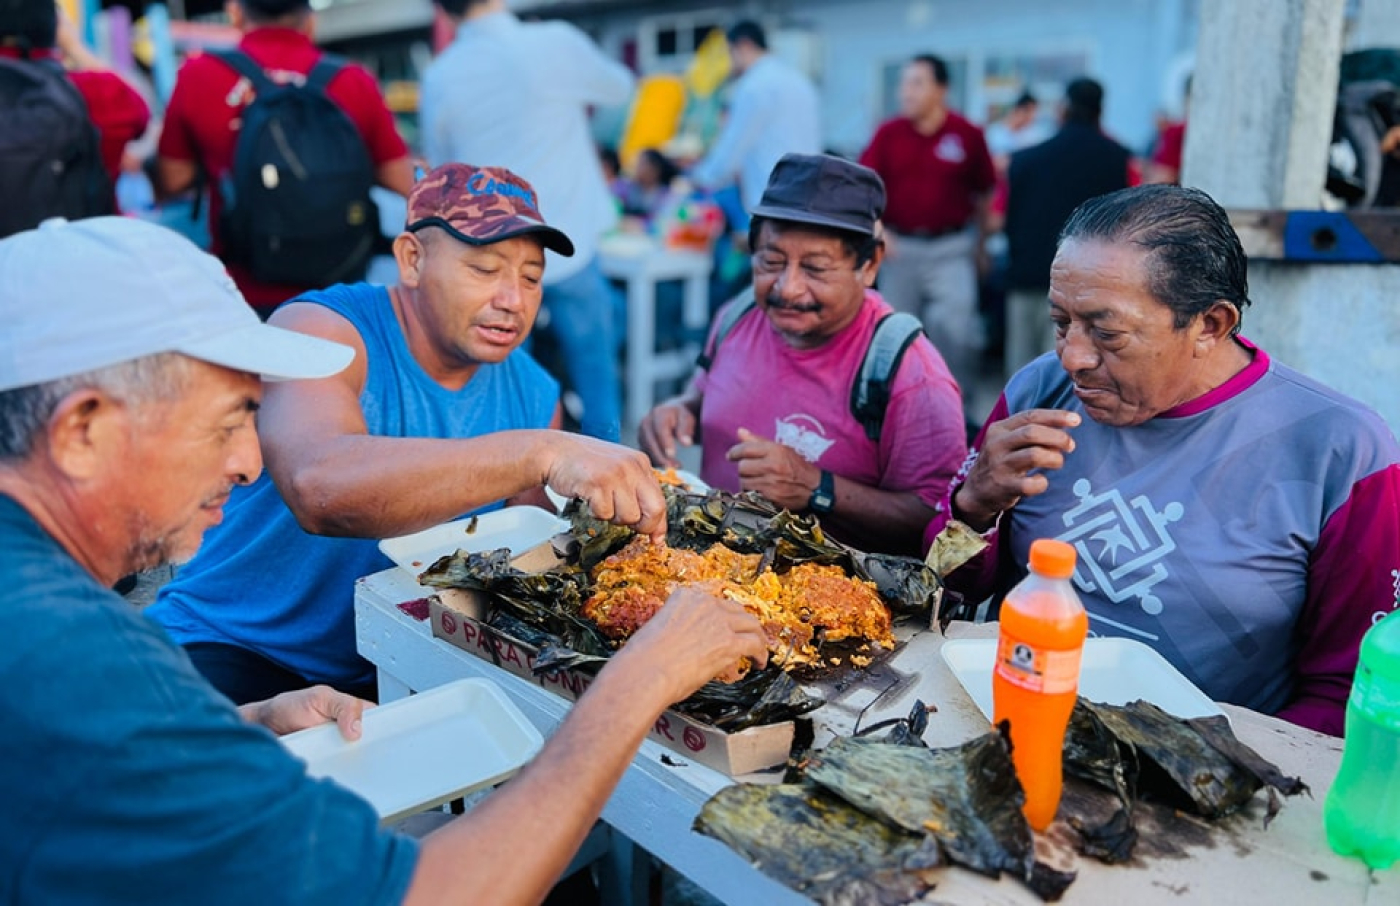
(656, 114)
(710, 67)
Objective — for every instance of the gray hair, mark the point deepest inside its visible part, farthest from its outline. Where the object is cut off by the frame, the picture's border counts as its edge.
(25, 411)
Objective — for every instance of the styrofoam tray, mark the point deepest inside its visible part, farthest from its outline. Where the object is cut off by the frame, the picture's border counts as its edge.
(424, 750)
(516, 527)
(1114, 672)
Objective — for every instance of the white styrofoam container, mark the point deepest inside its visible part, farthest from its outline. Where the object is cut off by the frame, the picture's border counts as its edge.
(419, 752)
(1114, 672)
(516, 527)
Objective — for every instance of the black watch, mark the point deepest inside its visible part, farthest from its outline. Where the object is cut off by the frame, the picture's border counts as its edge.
(824, 497)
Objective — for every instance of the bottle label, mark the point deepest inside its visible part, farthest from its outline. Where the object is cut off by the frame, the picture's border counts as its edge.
(1050, 671)
(1377, 700)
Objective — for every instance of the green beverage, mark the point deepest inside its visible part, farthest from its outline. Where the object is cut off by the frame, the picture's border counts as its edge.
(1362, 812)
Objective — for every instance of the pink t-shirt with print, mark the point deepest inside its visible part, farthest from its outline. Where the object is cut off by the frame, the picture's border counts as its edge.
(802, 398)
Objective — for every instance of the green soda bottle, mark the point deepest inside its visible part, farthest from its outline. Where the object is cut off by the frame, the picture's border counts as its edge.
(1362, 812)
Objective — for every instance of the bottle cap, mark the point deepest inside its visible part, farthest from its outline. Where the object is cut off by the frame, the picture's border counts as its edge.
(1052, 558)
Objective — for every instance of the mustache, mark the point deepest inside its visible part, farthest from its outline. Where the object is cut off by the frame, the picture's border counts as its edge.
(771, 301)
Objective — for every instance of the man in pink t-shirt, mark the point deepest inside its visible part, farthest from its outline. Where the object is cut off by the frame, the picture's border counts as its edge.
(773, 407)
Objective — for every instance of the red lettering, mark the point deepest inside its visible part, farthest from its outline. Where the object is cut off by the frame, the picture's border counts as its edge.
(694, 740)
(468, 630)
(663, 727)
(449, 623)
(512, 654)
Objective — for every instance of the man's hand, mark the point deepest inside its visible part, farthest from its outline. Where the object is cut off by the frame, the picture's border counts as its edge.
(292, 711)
(618, 483)
(666, 427)
(691, 640)
(774, 470)
(1027, 442)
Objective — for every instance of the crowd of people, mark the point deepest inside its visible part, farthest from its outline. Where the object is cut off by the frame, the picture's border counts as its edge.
(1239, 517)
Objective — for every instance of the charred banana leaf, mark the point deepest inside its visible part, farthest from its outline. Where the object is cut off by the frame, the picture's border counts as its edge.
(765, 696)
(967, 798)
(820, 846)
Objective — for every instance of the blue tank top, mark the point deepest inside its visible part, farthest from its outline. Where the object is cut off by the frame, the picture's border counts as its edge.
(262, 583)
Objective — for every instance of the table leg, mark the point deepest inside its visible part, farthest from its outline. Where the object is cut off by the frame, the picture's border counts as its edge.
(391, 688)
(641, 347)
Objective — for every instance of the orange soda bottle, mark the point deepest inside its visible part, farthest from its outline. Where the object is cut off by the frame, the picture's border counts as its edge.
(1036, 678)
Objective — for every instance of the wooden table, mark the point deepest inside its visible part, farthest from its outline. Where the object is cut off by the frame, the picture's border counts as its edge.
(642, 269)
(655, 803)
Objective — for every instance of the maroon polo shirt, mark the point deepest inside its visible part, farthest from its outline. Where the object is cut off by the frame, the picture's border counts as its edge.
(932, 182)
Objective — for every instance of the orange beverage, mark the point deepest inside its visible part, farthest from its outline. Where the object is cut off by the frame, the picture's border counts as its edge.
(1036, 677)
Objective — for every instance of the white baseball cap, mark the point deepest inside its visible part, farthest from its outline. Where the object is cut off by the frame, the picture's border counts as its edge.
(79, 296)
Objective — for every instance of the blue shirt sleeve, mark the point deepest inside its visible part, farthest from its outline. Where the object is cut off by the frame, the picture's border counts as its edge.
(128, 779)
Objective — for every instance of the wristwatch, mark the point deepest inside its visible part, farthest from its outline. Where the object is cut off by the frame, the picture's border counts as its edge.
(824, 497)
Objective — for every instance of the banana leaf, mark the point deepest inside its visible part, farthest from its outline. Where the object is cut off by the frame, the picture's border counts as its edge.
(818, 845)
(766, 696)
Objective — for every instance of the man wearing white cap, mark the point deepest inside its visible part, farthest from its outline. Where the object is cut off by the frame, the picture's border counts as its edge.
(129, 372)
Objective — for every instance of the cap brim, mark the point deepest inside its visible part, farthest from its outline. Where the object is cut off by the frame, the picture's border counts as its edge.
(773, 212)
(551, 238)
(274, 353)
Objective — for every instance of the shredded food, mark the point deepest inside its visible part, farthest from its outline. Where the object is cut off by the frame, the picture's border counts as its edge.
(633, 584)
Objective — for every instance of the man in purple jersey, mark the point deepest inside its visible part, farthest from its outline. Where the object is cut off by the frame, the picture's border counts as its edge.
(1235, 515)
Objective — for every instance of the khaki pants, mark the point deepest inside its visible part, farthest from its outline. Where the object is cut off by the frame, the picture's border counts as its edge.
(1028, 329)
(936, 280)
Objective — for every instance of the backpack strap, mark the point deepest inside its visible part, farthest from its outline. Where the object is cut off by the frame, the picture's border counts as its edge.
(870, 394)
(326, 68)
(244, 65)
(729, 315)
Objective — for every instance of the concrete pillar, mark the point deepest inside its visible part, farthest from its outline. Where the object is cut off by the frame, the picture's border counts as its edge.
(1377, 24)
(1260, 125)
(1262, 100)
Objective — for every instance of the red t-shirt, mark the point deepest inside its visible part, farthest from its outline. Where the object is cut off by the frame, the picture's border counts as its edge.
(204, 114)
(932, 182)
(117, 110)
(1169, 147)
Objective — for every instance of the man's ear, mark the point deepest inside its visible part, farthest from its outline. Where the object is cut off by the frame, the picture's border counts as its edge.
(411, 255)
(871, 269)
(86, 431)
(1216, 325)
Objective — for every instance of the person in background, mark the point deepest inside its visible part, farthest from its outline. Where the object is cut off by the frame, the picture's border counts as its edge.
(647, 193)
(1238, 517)
(1046, 183)
(516, 94)
(940, 179)
(441, 414)
(128, 389)
(38, 33)
(774, 110)
(202, 120)
(1019, 129)
(1164, 168)
(788, 366)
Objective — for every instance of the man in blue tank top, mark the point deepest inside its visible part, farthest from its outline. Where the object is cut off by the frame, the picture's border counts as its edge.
(440, 414)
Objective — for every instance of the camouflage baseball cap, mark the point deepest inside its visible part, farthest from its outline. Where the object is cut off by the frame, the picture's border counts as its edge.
(480, 205)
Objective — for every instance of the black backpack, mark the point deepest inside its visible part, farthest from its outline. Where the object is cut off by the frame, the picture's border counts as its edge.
(297, 208)
(50, 153)
(870, 394)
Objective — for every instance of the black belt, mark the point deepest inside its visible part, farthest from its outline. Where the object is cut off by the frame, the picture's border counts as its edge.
(929, 234)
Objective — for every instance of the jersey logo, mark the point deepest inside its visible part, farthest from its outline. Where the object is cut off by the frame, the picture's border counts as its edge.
(950, 148)
(809, 442)
(1121, 545)
(1395, 584)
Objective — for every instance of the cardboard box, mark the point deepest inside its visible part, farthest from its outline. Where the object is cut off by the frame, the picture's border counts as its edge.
(456, 616)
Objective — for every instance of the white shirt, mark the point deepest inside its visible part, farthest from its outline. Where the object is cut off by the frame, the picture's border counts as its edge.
(512, 94)
(774, 111)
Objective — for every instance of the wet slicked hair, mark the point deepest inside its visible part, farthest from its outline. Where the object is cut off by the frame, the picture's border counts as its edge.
(1194, 258)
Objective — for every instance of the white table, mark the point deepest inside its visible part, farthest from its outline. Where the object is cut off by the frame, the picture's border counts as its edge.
(642, 267)
(655, 803)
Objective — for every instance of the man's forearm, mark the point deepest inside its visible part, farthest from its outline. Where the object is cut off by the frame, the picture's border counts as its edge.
(374, 487)
(889, 521)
